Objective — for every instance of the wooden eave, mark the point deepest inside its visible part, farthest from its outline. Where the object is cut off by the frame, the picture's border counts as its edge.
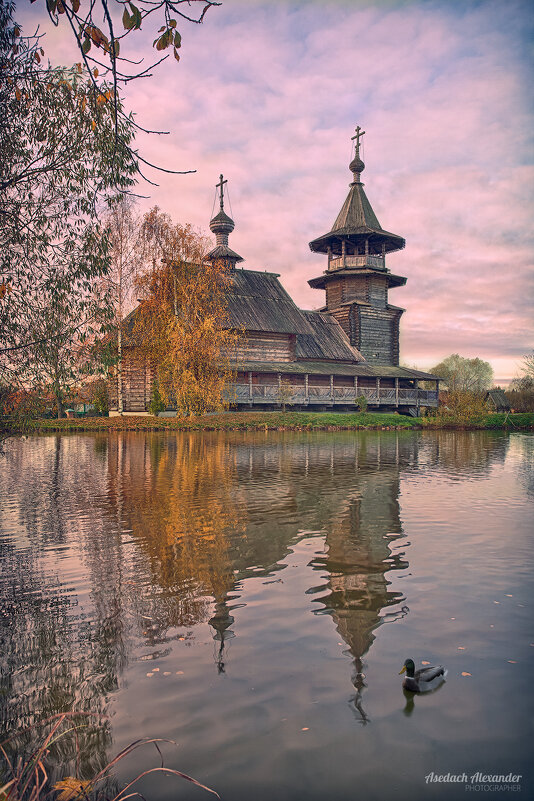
(223, 252)
(325, 367)
(322, 280)
(357, 236)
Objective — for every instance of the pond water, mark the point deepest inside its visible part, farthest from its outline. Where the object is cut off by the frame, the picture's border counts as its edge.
(253, 596)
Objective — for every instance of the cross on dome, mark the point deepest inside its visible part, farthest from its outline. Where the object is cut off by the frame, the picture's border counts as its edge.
(220, 186)
(359, 133)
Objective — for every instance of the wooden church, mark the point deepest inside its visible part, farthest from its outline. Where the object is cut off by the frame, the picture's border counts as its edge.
(314, 360)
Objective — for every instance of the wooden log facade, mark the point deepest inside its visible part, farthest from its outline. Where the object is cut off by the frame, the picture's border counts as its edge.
(321, 359)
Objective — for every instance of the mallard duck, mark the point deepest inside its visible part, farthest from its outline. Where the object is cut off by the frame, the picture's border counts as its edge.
(416, 680)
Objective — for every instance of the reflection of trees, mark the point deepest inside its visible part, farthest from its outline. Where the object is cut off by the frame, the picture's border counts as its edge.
(462, 452)
(56, 656)
(158, 532)
(522, 446)
(182, 509)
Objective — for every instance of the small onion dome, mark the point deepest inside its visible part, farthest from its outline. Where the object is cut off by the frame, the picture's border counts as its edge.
(356, 165)
(222, 223)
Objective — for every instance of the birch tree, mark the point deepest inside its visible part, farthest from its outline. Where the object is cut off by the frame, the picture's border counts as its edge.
(123, 233)
(181, 320)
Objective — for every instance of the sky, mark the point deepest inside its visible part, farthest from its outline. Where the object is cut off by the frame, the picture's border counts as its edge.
(269, 94)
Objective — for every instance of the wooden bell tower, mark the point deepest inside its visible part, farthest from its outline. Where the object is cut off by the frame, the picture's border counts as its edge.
(356, 280)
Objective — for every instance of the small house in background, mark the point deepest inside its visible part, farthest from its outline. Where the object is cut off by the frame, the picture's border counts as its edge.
(496, 401)
(329, 358)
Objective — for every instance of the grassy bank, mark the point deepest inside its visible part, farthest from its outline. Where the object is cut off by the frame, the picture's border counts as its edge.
(275, 421)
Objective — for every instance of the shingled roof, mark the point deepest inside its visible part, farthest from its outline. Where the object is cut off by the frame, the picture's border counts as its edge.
(357, 221)
(328, 340)
(258, 302)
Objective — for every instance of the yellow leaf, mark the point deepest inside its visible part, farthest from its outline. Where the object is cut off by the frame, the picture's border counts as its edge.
(17, 93)
(93, 124)
(70, 789)
(464, 673)
(95, 72)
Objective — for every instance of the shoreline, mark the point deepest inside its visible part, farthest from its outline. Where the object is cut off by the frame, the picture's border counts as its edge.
(274, 421)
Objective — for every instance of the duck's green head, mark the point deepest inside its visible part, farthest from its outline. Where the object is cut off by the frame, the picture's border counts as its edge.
(409, 667)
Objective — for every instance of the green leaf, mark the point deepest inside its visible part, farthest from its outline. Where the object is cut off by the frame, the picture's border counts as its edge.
(86, 46)
(136, 16)
(177, 39)
(127, 20)
(51, 6)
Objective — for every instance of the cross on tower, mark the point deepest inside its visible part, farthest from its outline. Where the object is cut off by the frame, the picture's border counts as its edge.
(220, 186)
(357, 136)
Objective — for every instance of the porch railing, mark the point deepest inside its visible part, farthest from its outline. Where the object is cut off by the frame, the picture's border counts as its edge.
(293, 394)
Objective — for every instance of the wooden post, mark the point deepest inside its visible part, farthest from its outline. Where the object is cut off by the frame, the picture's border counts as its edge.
(396, 391)
(355, 387)
(343, 251)
(250, 388)
(416, 384)
(378, 389)
(279, 388)
(306, 387)
(332, 388)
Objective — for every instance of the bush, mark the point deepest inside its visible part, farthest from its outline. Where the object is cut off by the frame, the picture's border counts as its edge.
(361, 403)
(100, 396)
(461, 407)
(156, 404)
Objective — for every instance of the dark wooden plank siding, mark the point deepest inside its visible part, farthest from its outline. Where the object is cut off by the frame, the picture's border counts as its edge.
(259, 346)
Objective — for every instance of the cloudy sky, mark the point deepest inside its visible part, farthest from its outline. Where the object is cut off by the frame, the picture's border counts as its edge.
(269, 94)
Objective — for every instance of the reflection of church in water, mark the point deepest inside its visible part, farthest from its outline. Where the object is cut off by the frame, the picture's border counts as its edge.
(210, 510)
(250, 501)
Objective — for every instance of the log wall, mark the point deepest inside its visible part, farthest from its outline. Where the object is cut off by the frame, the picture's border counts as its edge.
(259, 346)
(137, 379)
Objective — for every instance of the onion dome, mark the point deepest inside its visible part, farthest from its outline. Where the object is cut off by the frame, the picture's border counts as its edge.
(222, 225)
(356, 167)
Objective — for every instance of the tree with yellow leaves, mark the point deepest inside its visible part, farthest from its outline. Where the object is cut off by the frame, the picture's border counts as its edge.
(181, 320)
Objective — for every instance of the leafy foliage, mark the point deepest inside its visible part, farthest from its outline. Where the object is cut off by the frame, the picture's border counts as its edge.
(465, 375)
(157, 403)
(361, 403)
(101, 44)
(63, 159)
(462, 408)
(100, 29)
(179, 324)
(99, 395)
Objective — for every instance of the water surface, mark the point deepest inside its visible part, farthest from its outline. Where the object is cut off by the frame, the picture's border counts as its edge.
(253, 597)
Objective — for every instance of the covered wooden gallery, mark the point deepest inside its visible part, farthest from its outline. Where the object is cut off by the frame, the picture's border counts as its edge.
(311, 359)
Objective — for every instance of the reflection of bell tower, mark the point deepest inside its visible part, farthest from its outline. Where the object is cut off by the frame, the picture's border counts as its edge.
(356, 279)
(220, 623)
(359, 554)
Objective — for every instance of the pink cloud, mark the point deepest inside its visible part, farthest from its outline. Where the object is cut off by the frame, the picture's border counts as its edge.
(269, 94)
